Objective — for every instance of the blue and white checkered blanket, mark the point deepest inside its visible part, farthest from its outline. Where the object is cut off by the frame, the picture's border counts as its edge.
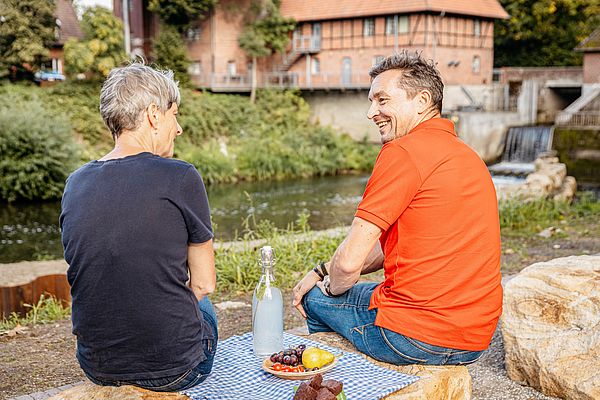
(237, 375)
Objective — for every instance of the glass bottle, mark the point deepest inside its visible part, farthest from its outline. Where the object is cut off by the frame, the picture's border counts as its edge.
(267, 309)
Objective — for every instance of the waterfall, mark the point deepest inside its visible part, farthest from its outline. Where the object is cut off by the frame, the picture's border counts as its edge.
(525, 143)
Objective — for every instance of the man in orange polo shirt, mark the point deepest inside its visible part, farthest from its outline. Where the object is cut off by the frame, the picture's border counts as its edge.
(429, 218)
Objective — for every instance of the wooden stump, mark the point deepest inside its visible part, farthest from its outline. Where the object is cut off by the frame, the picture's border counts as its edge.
(14, 298)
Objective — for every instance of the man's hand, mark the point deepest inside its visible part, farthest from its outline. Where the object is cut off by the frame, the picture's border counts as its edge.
(303, 287)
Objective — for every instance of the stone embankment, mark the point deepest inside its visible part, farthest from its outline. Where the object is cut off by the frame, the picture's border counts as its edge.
(549, 180)
(551, 327)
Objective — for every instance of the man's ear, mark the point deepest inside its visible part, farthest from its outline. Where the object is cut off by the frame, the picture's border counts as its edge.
(152, 115)
(425, 100)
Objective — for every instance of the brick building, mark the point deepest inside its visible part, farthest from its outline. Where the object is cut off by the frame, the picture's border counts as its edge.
(335, 43)
(67, 26)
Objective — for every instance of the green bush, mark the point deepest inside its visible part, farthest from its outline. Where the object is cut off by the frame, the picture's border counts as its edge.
(37, 150)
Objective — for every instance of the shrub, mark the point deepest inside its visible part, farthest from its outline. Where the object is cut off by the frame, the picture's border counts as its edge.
(37, 151)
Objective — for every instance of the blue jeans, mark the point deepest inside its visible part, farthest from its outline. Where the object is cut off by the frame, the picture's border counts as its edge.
(189, 378)
(349, 315)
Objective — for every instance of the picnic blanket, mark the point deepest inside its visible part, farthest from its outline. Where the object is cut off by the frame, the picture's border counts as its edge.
(237, 374)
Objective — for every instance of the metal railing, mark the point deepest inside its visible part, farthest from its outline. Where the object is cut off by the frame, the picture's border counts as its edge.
(306, 44)
(226, 82)
(583, 119)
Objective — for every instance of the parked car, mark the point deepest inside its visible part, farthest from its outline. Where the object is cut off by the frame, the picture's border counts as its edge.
(48, 76)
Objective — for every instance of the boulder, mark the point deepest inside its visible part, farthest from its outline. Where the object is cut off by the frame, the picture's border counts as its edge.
(551, 327)
(89, 391)
(437, 382)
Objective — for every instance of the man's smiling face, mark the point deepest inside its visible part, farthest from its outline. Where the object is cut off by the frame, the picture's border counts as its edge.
(391, 109)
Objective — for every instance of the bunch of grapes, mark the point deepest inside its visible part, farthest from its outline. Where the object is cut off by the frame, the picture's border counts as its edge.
(291, 356)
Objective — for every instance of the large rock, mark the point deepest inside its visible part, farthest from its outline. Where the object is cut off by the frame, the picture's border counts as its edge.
(551, 327)
(437, 382)
(89, 391)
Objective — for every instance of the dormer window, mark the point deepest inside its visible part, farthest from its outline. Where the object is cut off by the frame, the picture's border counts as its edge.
(58, 24)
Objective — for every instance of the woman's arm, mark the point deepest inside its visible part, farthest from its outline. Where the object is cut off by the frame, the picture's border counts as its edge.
(201, 262)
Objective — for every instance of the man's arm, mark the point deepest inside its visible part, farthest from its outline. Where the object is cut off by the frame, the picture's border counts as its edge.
(357, 254)
(201, 262)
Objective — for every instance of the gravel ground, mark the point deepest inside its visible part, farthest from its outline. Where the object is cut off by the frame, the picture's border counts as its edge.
(490, 381)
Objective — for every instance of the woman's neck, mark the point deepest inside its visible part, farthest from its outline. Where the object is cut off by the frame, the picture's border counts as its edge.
(125, 146)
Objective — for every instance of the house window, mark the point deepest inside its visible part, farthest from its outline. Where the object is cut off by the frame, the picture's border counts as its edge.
(57, 65)
(195, 68)
(231, 68)
(477, 27)
(194, 33)
(377, 59)
(369, 27)
(391, 27)
(58, 24)
(316, 29)
(403, 24)
(476, 65)
(315, 68)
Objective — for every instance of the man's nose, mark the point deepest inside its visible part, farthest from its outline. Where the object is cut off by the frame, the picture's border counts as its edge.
(373, 111)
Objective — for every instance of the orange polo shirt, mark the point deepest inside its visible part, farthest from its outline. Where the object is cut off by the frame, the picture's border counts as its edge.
(434, 199)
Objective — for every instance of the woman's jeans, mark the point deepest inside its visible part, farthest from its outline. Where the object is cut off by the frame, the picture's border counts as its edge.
(349, 315)
(189, 378)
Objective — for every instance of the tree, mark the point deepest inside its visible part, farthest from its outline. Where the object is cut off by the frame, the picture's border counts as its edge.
(266, 32)
(102, 47)
(544, 32)
(181, 13)
(26, 33)
(170, 52)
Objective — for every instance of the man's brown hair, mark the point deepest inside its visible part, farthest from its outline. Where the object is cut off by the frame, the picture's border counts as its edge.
(417, 74)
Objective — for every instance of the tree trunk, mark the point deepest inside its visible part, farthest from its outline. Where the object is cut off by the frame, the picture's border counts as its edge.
(254, 83)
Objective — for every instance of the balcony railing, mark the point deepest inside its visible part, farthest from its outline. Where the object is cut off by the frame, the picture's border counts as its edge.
(242, 83)
(583, 119)
(306, 44)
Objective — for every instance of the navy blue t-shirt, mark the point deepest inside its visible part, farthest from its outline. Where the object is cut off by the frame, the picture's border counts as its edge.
(126, 224)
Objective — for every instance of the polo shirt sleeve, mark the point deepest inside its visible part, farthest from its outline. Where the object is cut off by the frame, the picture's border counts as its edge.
(391, 188)
(194, 207)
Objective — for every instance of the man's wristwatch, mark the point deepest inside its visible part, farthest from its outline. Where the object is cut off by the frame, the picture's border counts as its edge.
(321, 270)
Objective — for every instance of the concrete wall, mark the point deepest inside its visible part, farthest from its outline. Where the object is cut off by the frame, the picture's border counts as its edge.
(485, 132)
(591, 68)
(343, 110)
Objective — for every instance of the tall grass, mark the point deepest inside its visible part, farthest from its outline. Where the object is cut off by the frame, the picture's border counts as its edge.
(47, 309)
(517, 216)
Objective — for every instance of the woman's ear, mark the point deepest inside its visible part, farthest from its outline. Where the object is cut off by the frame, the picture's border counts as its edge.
(152, 115)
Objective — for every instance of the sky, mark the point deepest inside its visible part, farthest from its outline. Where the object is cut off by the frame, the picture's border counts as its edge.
(88, 3)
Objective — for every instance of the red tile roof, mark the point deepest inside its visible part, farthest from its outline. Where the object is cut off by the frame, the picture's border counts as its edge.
(314, 10)
(69, 24)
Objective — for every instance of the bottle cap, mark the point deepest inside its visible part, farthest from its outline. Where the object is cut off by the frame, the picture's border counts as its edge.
(267, 256)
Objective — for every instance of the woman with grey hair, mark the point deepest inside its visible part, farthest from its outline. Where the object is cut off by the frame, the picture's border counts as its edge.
(137, 237)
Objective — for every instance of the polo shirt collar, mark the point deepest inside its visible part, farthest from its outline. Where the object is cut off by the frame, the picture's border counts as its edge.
(441, 124)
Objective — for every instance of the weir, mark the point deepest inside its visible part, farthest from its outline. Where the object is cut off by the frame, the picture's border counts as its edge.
(522, 146)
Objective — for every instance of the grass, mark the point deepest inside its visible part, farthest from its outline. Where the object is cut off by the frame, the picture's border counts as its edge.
(48, 309)
(519, 218)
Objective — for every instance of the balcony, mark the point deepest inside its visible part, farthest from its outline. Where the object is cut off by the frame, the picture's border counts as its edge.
(306, 44)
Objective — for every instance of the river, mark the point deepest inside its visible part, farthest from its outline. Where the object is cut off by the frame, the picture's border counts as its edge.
(30, 230)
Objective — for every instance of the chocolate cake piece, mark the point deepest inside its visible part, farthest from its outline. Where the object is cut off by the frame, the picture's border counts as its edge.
(325, 394)
(316, 381)
(333, 386)
(305, 392)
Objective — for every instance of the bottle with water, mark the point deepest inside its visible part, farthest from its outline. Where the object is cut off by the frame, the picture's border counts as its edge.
(267, 309)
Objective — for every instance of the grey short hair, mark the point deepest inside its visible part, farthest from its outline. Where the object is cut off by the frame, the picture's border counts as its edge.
(129, 90)
(417, 74)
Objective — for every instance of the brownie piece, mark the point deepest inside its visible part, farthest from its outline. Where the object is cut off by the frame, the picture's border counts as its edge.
(324, 394)
(305, 392)
(333, 386)
(316, 381)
